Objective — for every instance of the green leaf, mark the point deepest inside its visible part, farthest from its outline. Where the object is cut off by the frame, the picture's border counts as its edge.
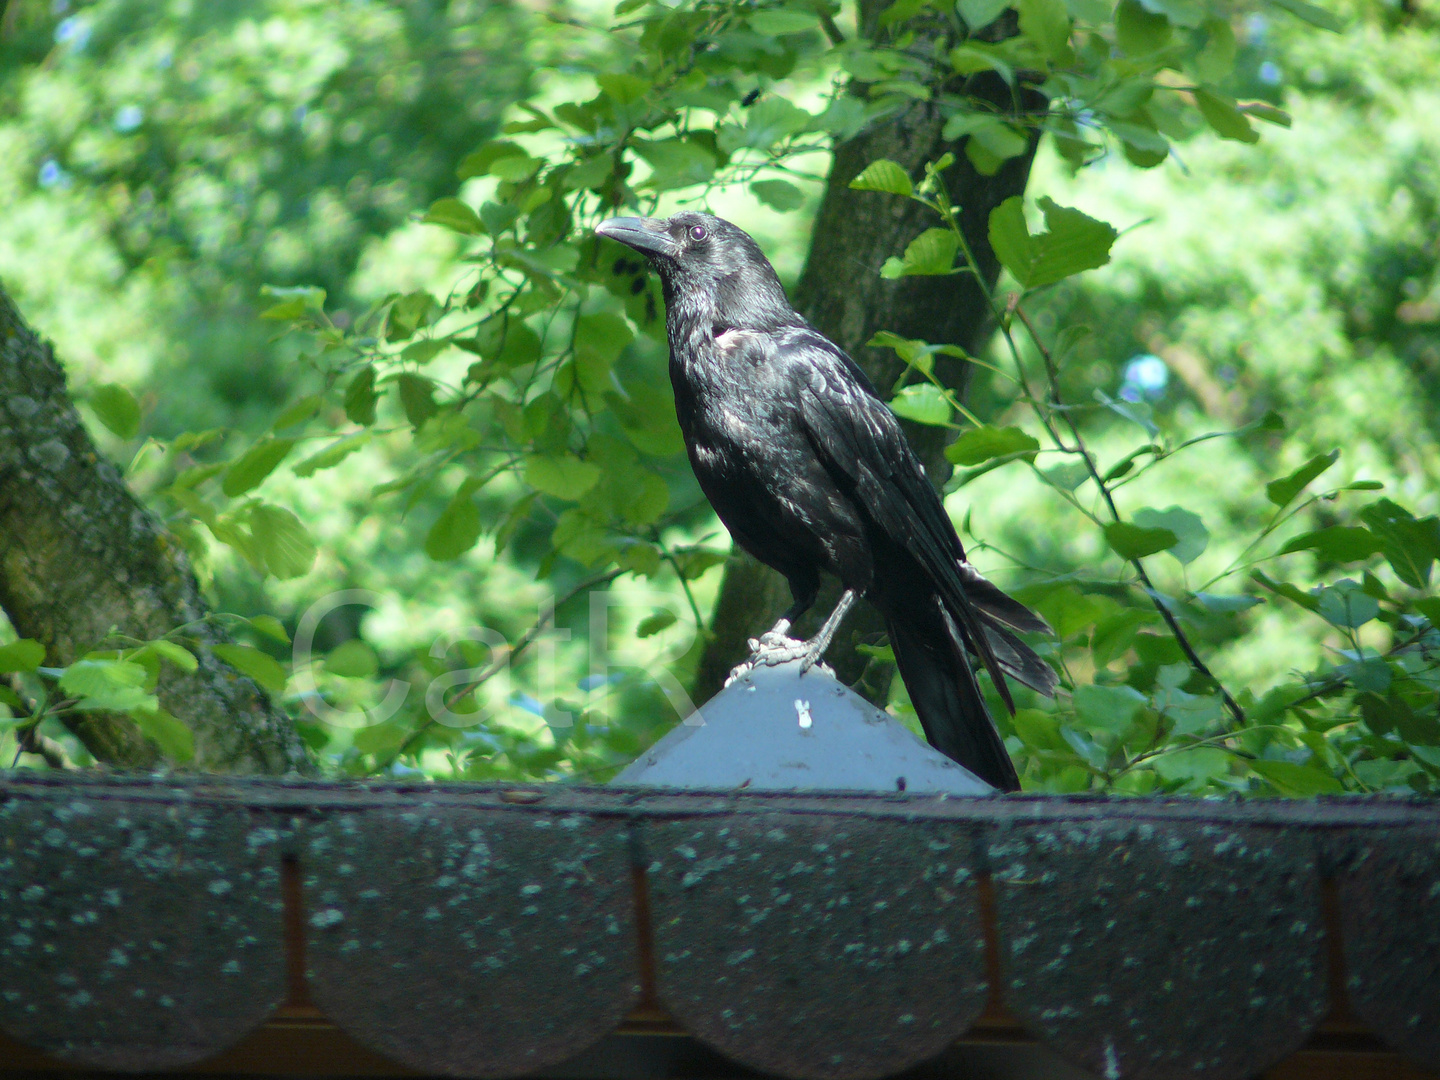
(1281, 491)
(281, 541)
(1224, 605)
(779, 195)
(766, 123)
(979, 14)
(1073, 242)
(1410, 545)
(693, 563)
(622, 88)
(294, 301)
(1263, 110)
(255, 465)
(455, 531)
(1038, 730)
(1338, 543)
(1222, 114)
(1194, 537)
(1135, 542)
(360, 397)
(1285, 589)
(1108, 709)
(298, 412)
(932, 252)
(332, 455)
(254, 663)
(478, 162)
(1297, 780)
(1139, 32)
(1047, 24)
(675, 163)
(600, 338)
(178, 655)
(454, 215)
(116, 685)
(27, 654)
(1216, 60)
(883, 175)
(774, 23)
(1196, 765)
(589, 173)
(270, 627)
(175, 740)
(424, 350)
(1310, 13)
(923, 403)
(417, 397)
(983, 443)
(563, 476)
(653, 624)
(352, 659)
(1346, 604)
(117, 409)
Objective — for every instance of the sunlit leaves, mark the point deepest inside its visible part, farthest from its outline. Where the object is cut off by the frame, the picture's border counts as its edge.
(1047, 24)
(251, 469)
(169, 733)
(254, 663)
(979, 14)
(563, 476)
(117, 409)
(600, 337)
(923, 403)
(23, 655)
(281, 541)
(454, 215)
(1072, 242)
(106, 684)
(676, 163)
(456, 529)
(773, 23)
(778, 194)
(984, 443)
(1312, 14)
(932, 252)
(883, 175)
(1224, 116)
(1138, 31)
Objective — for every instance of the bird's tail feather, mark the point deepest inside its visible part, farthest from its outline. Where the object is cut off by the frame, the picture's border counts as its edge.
(1018, 660)
(948, 700)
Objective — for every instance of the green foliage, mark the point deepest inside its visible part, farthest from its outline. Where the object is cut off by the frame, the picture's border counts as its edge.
(466, 411)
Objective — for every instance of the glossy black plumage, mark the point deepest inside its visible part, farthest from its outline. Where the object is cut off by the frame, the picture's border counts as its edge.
(810, 471)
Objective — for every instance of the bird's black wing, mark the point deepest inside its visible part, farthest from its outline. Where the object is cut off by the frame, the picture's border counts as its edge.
(860, 440)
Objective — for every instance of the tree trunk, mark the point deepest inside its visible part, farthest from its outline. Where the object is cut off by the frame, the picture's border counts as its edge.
(842, 293)
(80, 558)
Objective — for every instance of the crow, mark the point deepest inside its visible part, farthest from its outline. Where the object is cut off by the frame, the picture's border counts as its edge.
(809, 470)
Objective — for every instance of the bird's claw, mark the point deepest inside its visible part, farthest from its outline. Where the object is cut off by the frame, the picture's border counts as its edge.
(771, 649)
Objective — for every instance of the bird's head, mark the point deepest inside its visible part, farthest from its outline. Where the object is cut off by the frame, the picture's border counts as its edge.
(709, 265)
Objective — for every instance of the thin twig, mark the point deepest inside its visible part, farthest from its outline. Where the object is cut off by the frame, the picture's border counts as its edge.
(504, 657)
(1052, 376)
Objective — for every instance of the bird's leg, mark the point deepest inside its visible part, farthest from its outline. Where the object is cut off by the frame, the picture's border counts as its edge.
(775, 646)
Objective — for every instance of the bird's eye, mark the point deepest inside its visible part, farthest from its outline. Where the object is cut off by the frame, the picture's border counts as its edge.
(697, 232)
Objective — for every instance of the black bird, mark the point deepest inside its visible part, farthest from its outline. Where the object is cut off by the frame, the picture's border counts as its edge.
(809, 470)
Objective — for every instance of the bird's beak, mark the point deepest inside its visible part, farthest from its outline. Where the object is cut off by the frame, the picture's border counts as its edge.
(643, 234)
